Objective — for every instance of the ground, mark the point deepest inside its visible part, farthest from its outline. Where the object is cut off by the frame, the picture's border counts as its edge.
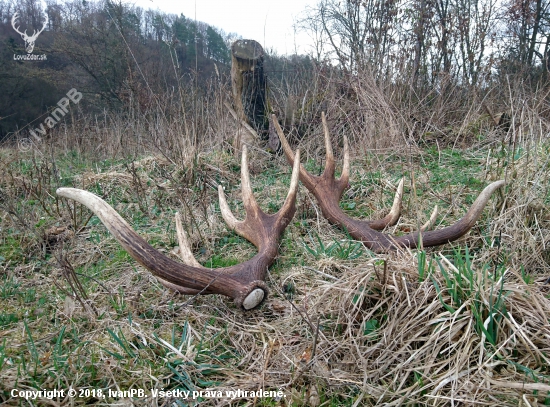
(462, 324)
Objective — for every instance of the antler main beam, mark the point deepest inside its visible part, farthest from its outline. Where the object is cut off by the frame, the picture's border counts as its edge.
(328, 190)
(243, 282)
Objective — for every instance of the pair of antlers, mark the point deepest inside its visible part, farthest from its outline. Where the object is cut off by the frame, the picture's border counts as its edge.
(245, 282)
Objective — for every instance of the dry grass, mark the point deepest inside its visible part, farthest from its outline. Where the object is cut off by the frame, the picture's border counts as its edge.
(341, 326)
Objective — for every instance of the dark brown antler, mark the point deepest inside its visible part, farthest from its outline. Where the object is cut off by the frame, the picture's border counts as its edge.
(243, 282)
(328, 190)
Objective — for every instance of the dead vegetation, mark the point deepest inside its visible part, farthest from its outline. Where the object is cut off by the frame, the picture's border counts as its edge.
(462, 324)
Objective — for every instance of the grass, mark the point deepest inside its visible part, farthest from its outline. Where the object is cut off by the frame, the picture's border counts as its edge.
(344, 250)
(341, 327)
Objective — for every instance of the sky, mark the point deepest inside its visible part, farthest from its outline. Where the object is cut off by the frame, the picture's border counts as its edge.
(270, 22)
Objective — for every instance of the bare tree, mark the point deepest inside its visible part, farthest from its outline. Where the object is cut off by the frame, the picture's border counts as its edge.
(528, 30)
(358, 32)
(475, 22)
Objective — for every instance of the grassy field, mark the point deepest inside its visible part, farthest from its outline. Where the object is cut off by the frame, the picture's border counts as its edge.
(462, 324)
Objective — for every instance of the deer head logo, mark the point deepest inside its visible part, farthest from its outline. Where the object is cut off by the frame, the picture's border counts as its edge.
(29, 40)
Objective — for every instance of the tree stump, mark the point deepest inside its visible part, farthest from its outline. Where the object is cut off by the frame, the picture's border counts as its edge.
(249, 84)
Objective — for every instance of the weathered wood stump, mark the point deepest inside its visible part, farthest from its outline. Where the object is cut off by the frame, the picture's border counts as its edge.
(249, 84)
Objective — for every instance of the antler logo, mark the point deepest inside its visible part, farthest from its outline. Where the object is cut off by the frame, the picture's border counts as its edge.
(29, 40)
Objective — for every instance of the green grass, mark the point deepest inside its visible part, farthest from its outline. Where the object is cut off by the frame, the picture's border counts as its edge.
(342, 250)
(145, 334)
(466, 286)
(11, 249)
(454, 167)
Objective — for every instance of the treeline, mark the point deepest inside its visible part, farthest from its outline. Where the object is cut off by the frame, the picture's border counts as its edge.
(115, 54)
(423, 55)
(431, 43)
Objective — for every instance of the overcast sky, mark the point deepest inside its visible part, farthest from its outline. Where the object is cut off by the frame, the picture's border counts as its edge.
(270, 22)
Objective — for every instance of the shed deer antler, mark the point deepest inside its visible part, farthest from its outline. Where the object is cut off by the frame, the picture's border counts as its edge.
(243, 282)
(328, 190)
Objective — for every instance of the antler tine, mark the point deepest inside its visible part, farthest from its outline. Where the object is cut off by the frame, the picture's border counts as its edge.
(393, 216)
(248, 197)
(227, 215)
(344, 178)
(305, 177)
(329, 164)
(431, 222)
(185, 248)
(284, 142)
(289, 206)
(186, 255)
(458, 229)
